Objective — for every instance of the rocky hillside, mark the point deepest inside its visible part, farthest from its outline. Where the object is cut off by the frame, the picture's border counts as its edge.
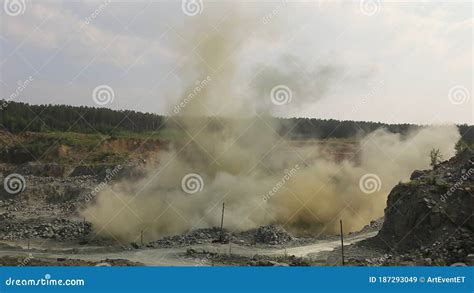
(433, 213)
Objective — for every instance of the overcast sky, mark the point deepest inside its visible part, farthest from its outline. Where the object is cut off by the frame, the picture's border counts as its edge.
(387, 61)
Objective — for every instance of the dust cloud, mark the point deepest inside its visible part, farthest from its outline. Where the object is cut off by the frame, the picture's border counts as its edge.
(229, 150)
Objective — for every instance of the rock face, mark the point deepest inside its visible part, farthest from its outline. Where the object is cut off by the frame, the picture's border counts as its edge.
(45, 199)
(45, 207)
(433, 212)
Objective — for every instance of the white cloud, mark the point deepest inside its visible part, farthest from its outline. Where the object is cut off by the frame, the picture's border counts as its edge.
(58, 26)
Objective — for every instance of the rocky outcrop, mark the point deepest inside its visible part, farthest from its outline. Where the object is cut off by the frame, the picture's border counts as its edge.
(433, 212)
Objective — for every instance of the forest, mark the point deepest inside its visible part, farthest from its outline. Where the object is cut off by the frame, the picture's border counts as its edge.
(19, 117)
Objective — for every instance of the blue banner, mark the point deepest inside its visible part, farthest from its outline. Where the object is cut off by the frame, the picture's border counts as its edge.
(237, 279)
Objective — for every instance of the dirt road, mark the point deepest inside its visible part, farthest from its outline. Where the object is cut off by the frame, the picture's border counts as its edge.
(175, 256)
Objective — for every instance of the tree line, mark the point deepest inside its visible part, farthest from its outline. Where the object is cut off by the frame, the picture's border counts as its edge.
(18, 117)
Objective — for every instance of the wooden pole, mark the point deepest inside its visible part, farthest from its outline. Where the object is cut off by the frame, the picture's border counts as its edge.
(84, 230)
(222, 223)
(342, 244)
(141, 237)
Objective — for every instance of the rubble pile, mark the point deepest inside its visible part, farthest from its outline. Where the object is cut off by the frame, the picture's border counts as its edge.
(46, 204)
(53, 190)
(267, 235)
(14, 228)
(374, 225)
(199, 236)
(272, 235)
